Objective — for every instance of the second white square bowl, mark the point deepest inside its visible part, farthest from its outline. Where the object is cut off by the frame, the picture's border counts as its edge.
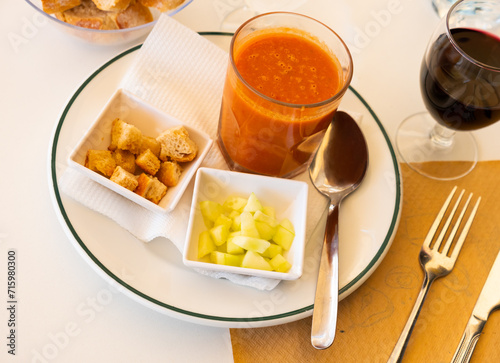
(287, 197)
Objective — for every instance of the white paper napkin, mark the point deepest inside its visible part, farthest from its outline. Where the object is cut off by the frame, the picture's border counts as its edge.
(181, 73)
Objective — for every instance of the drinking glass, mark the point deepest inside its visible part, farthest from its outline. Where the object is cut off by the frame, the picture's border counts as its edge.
(442, 6)
(252, 8)
(460, 86)
(286, 76)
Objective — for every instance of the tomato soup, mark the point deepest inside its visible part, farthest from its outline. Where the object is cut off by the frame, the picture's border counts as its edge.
(288, 68)
(277, 104)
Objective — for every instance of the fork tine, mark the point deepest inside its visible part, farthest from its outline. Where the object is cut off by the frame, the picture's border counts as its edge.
(451, 237)
(437, 221)
(465, 231)
(439, 240)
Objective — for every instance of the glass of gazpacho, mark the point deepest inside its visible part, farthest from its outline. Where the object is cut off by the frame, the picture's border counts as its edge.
(286, 76)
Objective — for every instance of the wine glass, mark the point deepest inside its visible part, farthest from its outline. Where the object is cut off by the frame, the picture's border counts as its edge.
(442, 6)
(460, 86)
(251, 8)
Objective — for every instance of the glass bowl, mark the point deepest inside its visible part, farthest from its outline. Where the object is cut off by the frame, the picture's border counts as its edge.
(105, 37)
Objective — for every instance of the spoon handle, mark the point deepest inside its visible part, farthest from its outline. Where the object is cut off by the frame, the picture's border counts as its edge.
(324, 320)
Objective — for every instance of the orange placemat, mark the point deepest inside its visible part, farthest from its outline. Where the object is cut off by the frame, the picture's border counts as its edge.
(371, 319)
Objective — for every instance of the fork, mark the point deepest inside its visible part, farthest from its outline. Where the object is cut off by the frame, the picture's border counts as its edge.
(435, 263)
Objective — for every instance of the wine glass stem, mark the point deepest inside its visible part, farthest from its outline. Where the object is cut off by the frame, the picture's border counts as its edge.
(442, 136)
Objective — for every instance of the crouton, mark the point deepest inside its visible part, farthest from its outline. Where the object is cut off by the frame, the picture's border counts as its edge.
(100, 161)
(125, 137)
(125, 159)
(148, 162)
(162, 5)
(176, 145)
(124, 178)
(56, 6)
(169, 173)
(150, 188)
(150, 143)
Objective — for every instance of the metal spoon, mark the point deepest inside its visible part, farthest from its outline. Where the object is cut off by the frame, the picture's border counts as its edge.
(336, 171)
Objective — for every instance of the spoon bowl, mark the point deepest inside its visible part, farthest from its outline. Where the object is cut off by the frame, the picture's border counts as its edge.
(336, 171)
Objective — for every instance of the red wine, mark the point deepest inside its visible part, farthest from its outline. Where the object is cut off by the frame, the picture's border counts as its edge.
(460, 94)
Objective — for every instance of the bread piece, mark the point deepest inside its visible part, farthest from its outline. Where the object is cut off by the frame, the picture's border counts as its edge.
(136, 14)
(100, 161)
(57, 6)
(124, 178)
(150, 143)
(156, 191)
(169, 173)
(87, 15)
(162, 5)
(150, 188)
(116, 131)
(148, 162)
(111, 5)
(125, 159)
(143, 185)
(176, 145)
(125, 137)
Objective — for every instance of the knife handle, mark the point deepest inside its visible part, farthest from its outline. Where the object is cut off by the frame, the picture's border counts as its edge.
(469, 340)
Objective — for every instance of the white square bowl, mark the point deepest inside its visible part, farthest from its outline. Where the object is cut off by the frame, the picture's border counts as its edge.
(288, 197)
(151, 122)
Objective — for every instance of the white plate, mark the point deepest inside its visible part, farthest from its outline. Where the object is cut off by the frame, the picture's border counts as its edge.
(154, 275)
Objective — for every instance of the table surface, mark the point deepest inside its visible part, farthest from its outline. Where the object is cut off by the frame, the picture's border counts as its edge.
(65, 311)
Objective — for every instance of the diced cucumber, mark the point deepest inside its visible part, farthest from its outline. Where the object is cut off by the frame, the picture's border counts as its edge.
(239, 233)
(251, 243)
(265, 230)
(233, 259)
(270, 211)
(236, 218)
(233, 248)
(285, 223)
(234, 233)
(262, 217)
(222, 248)
(205, 244)
(219, 234)
(210, 211)
(235, 203)
(217, 257)
(253, 204)
(226, 259)
(248, 227)
(256, 261)
(283, 237)
(280, 264)
(272, 251)
(223, 220)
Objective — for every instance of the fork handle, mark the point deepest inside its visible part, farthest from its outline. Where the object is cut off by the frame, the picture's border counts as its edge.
(399, 349)
(324, 321)
(469, 340)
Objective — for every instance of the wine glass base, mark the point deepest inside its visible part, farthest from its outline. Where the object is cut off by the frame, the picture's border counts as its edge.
(419, 150)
